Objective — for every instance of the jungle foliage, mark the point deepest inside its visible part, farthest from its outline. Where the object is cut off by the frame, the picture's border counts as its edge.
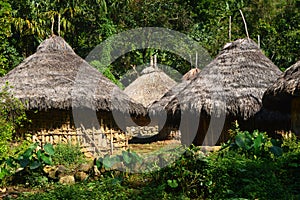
(86, 23)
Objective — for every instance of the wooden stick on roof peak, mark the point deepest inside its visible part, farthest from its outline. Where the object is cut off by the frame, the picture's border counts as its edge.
(58, 28)
(246, 29)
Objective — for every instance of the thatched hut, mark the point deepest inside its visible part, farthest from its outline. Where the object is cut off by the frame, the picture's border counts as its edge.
(147, 88)
(283, 99)
(150, 86)
(169, 121)
(62, 92)
(229, 88)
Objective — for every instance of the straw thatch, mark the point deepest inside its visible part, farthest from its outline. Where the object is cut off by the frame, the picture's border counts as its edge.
(238, 76)
(232, 84)
(281, 102)
(150, 86)
(56, 78)
(191, 74)
(280, 94)
(169, 96)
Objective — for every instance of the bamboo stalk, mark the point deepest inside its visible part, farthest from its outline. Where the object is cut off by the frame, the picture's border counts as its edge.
(246, 29)
(155, 61)
(151, 61)
(90, 139)
(229, 31)
(58, 29)
(52, 26)
(111, 143)
(196, 60)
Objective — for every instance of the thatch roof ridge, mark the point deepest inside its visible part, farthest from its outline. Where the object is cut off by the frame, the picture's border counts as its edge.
(150, 86)
(238, 77)
(54, 44)
(55, 77)
(150, 69)
(287, 86)
(168, 99)
(191, 74)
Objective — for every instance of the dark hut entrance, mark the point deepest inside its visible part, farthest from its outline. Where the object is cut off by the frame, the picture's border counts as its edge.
(295, 115)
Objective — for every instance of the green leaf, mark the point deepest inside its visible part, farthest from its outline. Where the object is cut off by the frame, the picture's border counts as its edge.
(136, 157)
(46, 159)
(277, 151)
(28, 153)
(126, 157)
(258, 142)
(108, 161)
(49, 149)
(24, 162)
(99, 163)
(240, 140)
(173, 183)
(39, 154)
(36, 164)
(10, 161)
(3, 173)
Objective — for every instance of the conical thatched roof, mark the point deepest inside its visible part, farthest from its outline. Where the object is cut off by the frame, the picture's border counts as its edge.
(56, 78)
(279, 95)
(169, 96)
(150, 86)
(235, 80)
(191, 74)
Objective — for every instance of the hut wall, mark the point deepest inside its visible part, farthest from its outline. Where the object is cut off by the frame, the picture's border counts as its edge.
(219, 132)
(295, 116)
(206, 134)
(57, 126)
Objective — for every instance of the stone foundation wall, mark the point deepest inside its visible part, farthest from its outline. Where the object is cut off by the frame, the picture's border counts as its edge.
(142, 131)
(148, 131)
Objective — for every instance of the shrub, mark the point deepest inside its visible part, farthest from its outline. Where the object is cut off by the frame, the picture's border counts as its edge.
(12, 114)
(253, 145)
(68, 155)
(188, 175)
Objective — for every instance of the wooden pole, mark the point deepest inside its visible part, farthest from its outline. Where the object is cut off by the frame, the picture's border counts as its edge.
(111, 142)
(151, 61)
(196, 60)
(191, 61)
(229, 31)
(58, 29)
(52, 26)
(258, 41)
(155, 61)
(245, 24)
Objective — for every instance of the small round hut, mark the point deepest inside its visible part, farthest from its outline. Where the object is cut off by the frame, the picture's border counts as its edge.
(65, 97)
(150, 86)
(170, 122)
(229, 88)
(283, 98)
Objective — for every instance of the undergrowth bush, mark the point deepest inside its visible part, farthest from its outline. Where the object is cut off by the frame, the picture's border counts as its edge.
(253, 166)
(188, 175)
(12, 114)
(68, 155)
(249, 166)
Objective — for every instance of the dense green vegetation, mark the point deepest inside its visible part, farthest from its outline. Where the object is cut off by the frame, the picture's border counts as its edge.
(248, 166)
(86, 23)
